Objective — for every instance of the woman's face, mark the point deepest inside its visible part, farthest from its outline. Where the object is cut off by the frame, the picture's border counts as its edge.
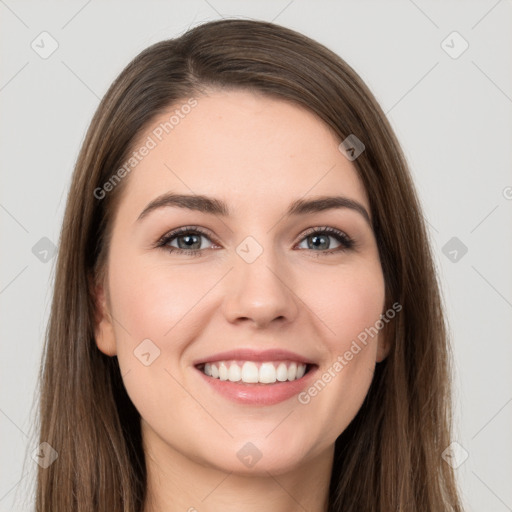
(254, 279)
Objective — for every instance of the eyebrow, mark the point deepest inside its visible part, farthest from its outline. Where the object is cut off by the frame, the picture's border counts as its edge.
(213, 206)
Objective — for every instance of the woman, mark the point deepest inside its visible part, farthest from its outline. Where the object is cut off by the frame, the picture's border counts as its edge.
(246, 312)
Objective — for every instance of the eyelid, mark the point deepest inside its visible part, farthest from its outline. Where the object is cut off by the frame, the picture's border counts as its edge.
(324, 229)
(182, 230)
(347, 242)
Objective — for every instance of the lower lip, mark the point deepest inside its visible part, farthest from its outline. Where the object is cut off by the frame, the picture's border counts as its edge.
(259, 394)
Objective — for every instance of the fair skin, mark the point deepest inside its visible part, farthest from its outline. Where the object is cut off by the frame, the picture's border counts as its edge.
(258, 155)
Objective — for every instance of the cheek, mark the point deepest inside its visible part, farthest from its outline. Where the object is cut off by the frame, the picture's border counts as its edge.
(153, 303)
(349, 302)
(152, 300)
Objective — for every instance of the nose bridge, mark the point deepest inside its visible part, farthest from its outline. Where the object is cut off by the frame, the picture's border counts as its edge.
(258, 288)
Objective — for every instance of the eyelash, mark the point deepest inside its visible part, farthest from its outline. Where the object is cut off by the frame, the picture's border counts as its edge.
(346, 242)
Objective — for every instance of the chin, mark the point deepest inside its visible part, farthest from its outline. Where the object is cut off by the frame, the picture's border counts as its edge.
(258, 457)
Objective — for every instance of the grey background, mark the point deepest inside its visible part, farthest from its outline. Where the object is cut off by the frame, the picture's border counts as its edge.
(452, 116)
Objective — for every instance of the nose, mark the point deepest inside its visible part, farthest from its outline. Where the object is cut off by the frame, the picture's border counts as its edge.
(260, 292)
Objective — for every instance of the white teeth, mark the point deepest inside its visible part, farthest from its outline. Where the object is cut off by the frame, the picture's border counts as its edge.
(292, 371)
(223, 371)
(235, 373)
(282, 372)
(267, 373)
(252, 373)
(249, 372)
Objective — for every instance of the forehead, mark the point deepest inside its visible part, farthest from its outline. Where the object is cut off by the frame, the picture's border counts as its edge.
(252, 150)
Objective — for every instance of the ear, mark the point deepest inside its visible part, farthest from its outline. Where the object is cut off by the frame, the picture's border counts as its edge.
(384, 343)
(103, 323)
(383, 349)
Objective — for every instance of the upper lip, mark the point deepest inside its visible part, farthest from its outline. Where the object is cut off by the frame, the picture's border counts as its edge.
(247, 354)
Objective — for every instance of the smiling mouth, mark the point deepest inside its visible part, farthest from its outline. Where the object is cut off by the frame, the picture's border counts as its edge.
(253, 372)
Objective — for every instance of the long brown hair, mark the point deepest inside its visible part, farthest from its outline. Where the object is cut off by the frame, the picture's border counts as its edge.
(389, 457)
